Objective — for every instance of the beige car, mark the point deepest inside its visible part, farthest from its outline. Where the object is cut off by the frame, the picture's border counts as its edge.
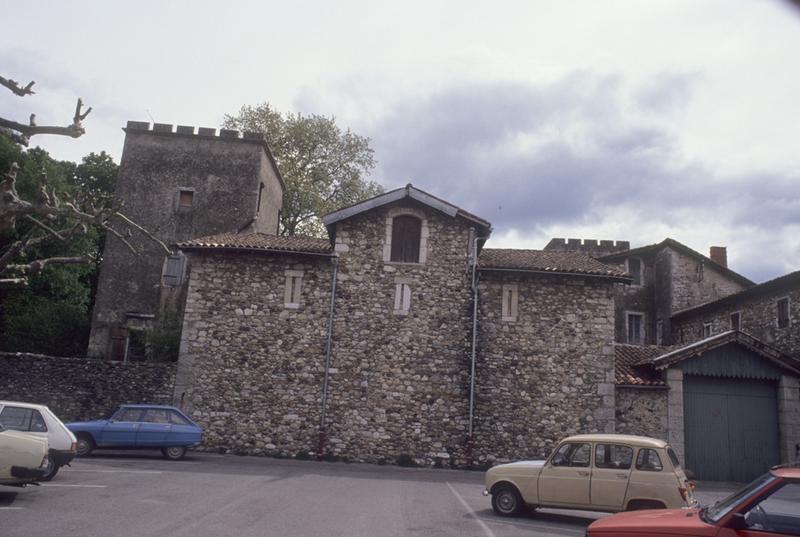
(595, 472)
(23, 458)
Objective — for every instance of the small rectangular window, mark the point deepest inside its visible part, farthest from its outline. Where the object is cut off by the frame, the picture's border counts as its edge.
(706, 330)
(783, 313)
(699, 270)
(635, 328)
(402, 298)
(294, 286)
(660, 332)
(635, 270)
(185, 199)
(736, 321)
(510, 302)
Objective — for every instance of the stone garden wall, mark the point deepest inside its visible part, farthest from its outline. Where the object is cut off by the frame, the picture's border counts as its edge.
(83, 388)
(642, 411)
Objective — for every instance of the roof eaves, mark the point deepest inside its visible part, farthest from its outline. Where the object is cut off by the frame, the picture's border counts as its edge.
(557, 272)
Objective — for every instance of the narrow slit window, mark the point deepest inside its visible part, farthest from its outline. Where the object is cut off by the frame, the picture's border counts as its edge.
(510, 302)
(783, 313)
(660, 332)
(402, 298)
(736, 321)
(699, 271)
(706, 330)
(294, 288)
(635, 328)
(635, 270)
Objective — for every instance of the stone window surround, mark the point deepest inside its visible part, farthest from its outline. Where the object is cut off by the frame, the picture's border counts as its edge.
(778, 301)
(699, 271)
(510, 302)
(293, 294)
(706, 330)
(402, 295)
(738, 313)
(423, 235)
(642, 327)
(178, 191)
(641, 271)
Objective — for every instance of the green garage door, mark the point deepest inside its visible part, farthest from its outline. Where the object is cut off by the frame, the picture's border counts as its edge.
(730, 426)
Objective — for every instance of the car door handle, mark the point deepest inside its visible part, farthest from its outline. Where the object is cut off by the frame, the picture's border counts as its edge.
(622, 476)
(584, 474)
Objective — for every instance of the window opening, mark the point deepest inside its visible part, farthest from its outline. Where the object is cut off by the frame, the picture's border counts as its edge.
(635, 270)
(783, 313)
(294, 288)
(699, 272)
(736, 321)
(137, 345)
(706, 330)
(173, 270)
(406, 234)
(635, 328)
(510, 302)
(185, 199)
(402, 298)
(660, 332)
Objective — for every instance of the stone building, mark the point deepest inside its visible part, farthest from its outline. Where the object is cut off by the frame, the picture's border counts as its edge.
(401, 335)
(179, 183)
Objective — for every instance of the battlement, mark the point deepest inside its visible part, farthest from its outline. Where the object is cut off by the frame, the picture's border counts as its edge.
(186, 131)
(589, 246)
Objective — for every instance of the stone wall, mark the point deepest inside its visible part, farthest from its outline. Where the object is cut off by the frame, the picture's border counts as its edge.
(642, 411)
(83, 388)
(687, 291)
(636, 299)
(758, 318)
(549, 373)
(250, 368)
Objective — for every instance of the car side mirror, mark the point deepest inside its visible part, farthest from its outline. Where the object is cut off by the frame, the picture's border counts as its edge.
(737, 522)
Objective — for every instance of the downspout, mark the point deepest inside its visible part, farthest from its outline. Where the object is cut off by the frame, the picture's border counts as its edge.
(474, 340)
(328, 345)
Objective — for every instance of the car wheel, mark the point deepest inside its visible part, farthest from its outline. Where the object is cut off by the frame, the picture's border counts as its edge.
(84, 446)
(506, 501)
(52, 470)
(174, 453)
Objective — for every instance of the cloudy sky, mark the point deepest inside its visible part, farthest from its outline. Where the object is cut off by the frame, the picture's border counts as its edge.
(626, 120)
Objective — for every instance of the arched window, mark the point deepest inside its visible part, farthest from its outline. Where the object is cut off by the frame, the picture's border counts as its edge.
(406, 234)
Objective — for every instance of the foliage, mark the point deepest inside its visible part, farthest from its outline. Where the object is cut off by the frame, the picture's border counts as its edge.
(51, 315)
(324, 168)
(164, 339)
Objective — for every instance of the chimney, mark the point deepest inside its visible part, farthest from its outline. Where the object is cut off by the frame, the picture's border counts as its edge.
(719, 255)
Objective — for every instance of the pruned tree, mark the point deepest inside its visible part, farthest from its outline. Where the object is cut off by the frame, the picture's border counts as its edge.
(324, 167)
(47, 217)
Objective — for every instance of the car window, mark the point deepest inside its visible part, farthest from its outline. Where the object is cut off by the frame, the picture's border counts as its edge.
(573, 455)
(778, 513)
(177, 419)
(37, 422)
(156, 415)
(648, 460)
(128, 414)
(613, 456)
(23, 419)
(674, 458)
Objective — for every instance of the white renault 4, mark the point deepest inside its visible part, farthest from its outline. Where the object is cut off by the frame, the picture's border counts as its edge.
(38, 420)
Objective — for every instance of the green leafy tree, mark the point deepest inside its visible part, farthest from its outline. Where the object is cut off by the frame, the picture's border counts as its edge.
(324, 167)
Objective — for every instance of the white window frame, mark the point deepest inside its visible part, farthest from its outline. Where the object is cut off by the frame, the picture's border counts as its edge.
(641, 271)
(510, 302)
(642, 327)
(739, 313)
(402, 296)
(708, 330)
(293, 290)
(788, 312)
(423, 234)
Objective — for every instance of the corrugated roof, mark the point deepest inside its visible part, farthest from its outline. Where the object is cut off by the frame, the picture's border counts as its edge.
(547, 261)
(630, 368)
(259, 242)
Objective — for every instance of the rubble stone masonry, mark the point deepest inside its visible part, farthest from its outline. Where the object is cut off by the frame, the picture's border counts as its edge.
(642, 411)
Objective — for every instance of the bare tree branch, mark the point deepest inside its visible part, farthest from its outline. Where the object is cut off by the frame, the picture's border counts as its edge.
(35, 267)
(143, 230)
(14, 86)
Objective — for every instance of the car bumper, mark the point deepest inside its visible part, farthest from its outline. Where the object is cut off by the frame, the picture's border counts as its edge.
(27, 473)
(62, 456)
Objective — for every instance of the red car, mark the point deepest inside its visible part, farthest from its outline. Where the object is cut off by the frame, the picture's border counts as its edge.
(770, 505)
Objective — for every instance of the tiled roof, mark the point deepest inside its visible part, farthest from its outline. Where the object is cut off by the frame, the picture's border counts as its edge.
(629, 365)
(258, 242)
(547, 261)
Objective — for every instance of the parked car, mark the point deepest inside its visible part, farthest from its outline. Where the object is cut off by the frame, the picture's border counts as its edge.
(23, 458)
(770, 505)
(597, 472)
(38, 420)
(139, 427)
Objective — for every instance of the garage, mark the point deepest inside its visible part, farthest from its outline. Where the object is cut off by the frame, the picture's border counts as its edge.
(731, 425)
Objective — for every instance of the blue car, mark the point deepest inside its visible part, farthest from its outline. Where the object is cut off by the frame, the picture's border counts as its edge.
(139, 427)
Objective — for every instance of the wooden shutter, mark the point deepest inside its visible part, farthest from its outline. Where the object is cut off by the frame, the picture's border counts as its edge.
(406, 232)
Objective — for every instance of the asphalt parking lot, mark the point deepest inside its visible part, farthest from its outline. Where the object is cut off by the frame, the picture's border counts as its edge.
(141, 494)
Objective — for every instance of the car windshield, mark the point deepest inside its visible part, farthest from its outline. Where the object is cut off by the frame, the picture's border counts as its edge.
(723, 507)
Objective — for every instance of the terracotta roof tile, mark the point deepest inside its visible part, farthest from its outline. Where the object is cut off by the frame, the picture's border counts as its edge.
(259, 241)
(629, 368)
(547, 261)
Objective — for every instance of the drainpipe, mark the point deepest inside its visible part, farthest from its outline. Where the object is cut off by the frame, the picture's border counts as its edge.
(474, 334)
(328, 342)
